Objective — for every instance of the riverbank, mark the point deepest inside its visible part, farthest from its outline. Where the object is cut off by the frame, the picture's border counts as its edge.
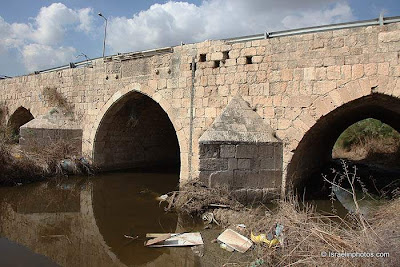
(307, 234)
(54, 160)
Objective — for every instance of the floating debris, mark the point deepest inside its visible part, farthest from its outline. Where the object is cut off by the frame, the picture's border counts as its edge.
(235, 240)
(158, 239)
(131, 237)
(226, 247)
(209, 217)
(198, 250)
(174, 240)
(271, 239)
(162, 198)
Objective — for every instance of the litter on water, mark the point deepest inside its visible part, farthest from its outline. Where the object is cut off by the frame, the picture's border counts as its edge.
(174, 240)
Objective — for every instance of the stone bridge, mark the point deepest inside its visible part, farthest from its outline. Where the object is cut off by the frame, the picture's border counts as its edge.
(257, 115)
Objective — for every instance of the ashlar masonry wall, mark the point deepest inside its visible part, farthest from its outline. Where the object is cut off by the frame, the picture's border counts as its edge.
(290, 82)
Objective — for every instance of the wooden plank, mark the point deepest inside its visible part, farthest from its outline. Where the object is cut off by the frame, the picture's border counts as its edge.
(181, 240)
(153, 235)
(158, 239)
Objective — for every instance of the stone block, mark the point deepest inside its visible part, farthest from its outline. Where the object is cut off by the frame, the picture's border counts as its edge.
(386, 37)
(267, 163)
(383, 69)
(370, 69)
(246, 151)
(300, 101)
(221, 178)
(228, 151)
(204, 177)
(266, 151)
(244, 164)
(333, 72)
(263, 179)
(217, 56)
(209, 151)
(357, 71)
(212, 164)
(232, 163)
(309, 74)
(240, 178)
(241, 61)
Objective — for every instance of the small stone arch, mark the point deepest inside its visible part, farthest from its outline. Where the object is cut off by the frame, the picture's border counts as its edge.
(317, 128)
(18, 118)
(121, 97)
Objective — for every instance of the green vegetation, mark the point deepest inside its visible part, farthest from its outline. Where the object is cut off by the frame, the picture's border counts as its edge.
(360, 132)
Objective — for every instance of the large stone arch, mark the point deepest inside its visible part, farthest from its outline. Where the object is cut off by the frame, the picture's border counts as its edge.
(316, 129)
(125, 94)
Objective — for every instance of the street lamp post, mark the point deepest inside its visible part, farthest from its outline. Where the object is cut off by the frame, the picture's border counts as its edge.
(105, 33)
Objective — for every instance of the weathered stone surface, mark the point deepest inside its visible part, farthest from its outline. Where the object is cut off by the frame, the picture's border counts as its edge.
(213, 164)
(232, 164)
(50, 128)
(228, 151)
(238, 123)
(221, 178)
(244, 164)
(292, 84)
(210, 151)
(246, 151)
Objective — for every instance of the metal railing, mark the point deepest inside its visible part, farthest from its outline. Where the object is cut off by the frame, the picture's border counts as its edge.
(117, 57)
(133, 55)
(340, 26)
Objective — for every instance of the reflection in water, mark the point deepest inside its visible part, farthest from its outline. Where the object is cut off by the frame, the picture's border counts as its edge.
(13, 254)
(83, 222)
(124, 207)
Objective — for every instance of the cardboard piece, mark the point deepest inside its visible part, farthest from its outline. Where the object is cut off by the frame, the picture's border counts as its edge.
(235, 240)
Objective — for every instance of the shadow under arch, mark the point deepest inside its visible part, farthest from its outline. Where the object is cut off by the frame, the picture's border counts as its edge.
(315, 148)
(20, 116)
(136, 132)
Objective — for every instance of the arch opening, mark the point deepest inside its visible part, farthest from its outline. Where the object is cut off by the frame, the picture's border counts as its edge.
(314, 154)
(136, 133)
(368, 141)
(20, 117)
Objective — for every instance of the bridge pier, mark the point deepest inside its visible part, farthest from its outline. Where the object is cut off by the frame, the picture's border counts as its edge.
(240, 151)
(51, 128)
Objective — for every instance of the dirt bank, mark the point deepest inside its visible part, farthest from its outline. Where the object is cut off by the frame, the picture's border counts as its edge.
(53, 160)
(307, 234)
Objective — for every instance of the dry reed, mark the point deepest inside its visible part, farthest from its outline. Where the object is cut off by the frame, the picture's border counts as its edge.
(307, 234)
(36, 164)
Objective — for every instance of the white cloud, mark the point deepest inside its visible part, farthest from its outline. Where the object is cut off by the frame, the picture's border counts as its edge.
(54, 20)
(40, 43)
(86, 19)
(339, 13)
(173, 22)
(39, 56)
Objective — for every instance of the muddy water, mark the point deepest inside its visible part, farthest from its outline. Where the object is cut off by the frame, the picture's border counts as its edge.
(82, 222)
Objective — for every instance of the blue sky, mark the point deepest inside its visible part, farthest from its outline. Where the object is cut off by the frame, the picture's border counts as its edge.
(39, 34)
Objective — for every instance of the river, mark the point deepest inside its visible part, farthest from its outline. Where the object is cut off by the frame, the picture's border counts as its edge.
(82, 222)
